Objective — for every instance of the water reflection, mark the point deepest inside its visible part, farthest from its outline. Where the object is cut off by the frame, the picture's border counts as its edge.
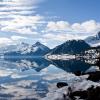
(29, 63)
(33, 77)
(40, 63)
(72, 65)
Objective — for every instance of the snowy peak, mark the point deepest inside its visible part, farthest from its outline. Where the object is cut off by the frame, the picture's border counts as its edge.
(40, 48)
(94, 40)
(27, 49)
(37, 44)
(98, 35)
(24, 44)
(23, 48)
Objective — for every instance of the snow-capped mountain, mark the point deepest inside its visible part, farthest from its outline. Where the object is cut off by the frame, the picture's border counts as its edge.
(26, 49)
(94, 40)
(39, 48)
(14, 48)
(23, 48)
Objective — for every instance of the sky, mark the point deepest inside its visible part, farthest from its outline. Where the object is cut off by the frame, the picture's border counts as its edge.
(50, 22)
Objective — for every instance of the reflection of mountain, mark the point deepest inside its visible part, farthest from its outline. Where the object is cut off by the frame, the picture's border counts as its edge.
(72, 65)
(29, 63)
(39, 63)
(42, 63)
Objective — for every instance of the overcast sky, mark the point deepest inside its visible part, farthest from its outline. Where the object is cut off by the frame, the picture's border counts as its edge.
(49, 21)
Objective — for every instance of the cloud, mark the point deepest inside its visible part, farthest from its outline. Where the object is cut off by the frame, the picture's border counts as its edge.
(62, 37)
(61, 31)
(60, 25)
(5, 41)
(90, 26)
(84, 27)
(19, 16)
(21, 24)
(21, 2)
(18, 6)
(4, 73)
(16, 38)
(26, 31)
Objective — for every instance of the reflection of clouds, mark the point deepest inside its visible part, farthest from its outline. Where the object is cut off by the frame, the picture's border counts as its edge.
(27, 83)
(93, 69)
(14, 76)
(7, 65)
(20, 66)
(26, 63)
(45, 70)
(57, 94)
(22, 89)
(55, 76)
(32, 84)
(66, 77)
(20, 69)
(35, 84)
(28, 73)
(4, 73)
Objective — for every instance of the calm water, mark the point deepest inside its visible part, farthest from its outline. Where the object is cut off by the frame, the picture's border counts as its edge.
(33, 78)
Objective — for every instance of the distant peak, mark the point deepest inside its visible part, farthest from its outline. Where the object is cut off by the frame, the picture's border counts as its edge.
(98, 34)
(37, 43)
(75, 41)
(23, 43)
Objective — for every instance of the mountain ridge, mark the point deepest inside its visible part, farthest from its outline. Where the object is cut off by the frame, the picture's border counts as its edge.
(26, 49)
(70, 47)
(94, 40)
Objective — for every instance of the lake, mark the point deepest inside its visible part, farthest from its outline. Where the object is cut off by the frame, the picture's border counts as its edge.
(33, 78)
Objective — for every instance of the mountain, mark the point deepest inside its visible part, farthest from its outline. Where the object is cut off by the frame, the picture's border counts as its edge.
(40, 49)
(70, 47)
(93, 40)
(26, 49)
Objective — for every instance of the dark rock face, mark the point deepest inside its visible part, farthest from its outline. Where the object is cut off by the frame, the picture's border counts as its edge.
(93, 76)
(61, 84)
(89, 94)
(98, 62)
(98, 35)
(71, 47)
(78, 73)
(81, 94)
